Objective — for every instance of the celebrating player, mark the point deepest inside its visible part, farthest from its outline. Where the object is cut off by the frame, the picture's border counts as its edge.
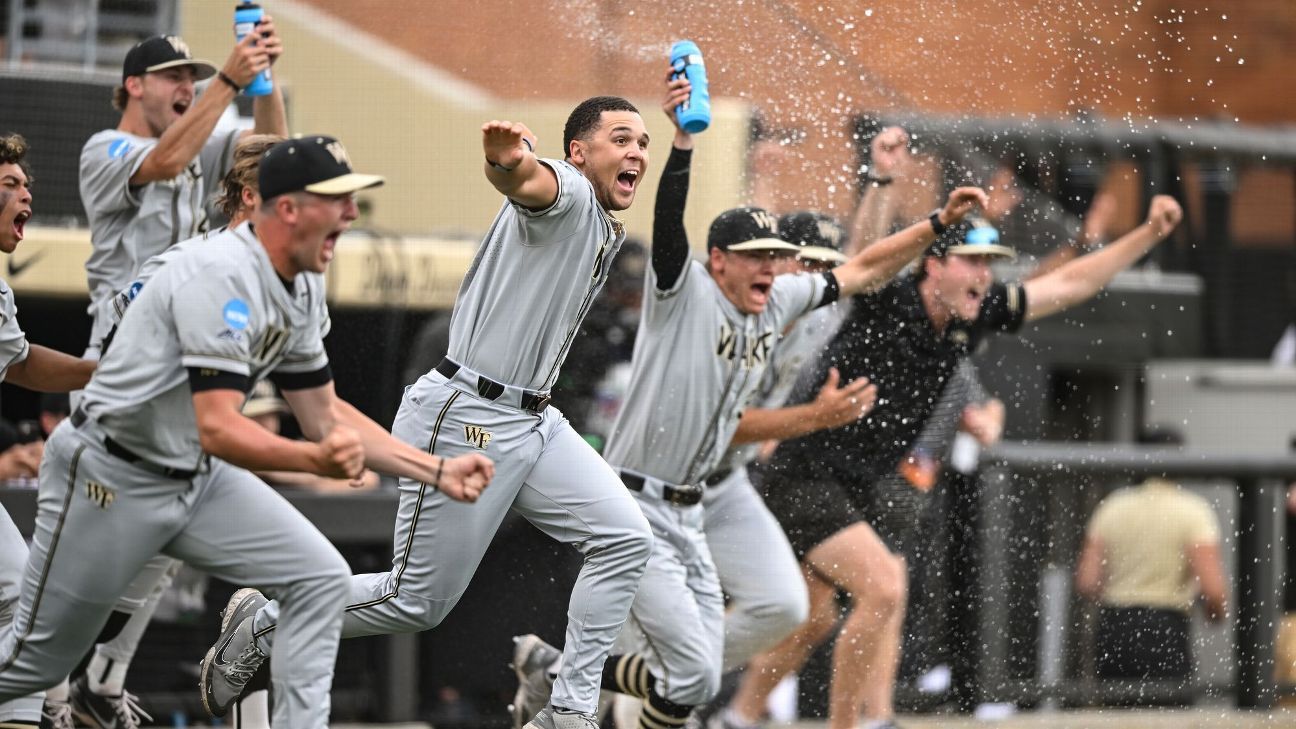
(907, 338)
(537, 272)
(155, 457)
(704, 341)
(34, 367)
(145, 186)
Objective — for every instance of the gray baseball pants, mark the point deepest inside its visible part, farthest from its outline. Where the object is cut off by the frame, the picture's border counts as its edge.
(757, 568)
(13, 562)
(100, 519)
(546, 473)
(678, 614)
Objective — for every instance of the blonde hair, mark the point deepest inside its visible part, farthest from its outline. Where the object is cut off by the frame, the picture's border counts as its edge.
(242, 174)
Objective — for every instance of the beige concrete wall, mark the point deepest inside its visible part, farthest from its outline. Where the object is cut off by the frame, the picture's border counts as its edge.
(420, 126)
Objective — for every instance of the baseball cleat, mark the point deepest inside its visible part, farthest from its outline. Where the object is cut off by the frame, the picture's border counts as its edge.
(548, 718)
(105, 712)
(532, 659)
(235, 658)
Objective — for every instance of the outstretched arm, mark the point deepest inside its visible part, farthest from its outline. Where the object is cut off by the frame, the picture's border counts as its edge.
(873, 267)
(48, 370)
(1080, 279)
(670, 246)
(1089, 569)
(833, 407)
(512, 167)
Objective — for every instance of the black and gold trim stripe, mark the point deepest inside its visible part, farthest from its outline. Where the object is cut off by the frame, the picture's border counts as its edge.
(409, 540)
(49, 560)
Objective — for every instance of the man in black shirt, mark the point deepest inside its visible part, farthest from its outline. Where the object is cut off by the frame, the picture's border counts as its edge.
(907, 338)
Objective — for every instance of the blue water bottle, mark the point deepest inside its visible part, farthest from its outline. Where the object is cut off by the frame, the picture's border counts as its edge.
(693, 115)
(246, 16)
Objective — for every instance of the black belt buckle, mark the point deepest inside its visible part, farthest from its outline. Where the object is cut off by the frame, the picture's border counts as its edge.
(682, 496)
(536, 402)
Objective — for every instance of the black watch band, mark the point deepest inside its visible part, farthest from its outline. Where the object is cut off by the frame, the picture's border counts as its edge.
(936, 224)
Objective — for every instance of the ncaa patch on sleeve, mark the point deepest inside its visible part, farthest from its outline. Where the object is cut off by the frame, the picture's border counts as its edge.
(118, 148)
(236, 314)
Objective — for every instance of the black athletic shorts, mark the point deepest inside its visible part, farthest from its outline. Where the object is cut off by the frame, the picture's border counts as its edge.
(811, 510)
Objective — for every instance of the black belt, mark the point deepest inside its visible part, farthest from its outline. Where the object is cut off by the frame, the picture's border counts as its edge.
(687, 496)
(118, 450)
(718, 476)
(534, 402)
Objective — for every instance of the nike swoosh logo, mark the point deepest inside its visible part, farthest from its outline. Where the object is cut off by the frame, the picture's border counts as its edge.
(16, 268)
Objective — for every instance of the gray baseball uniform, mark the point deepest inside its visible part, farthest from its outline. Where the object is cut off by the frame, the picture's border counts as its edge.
(697, 361)
(13, 548)
(523, 299)
(124, 478)
(757, 567)
(129, 225)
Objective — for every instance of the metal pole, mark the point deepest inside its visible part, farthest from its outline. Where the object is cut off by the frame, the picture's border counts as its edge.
(13, 41)
(1260, 543)
(993, 605)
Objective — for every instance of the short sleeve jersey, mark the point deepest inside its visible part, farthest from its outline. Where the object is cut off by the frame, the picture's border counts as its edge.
(130, 224)
(697, 361)
(13, 342)
(533, 280)
(889, 338)
(1146, 532)
(216, 303)
(793, 353)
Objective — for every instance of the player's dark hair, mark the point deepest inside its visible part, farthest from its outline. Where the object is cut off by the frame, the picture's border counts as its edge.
(13, 151)
(119, 98)
(243, 173)
(587, 116)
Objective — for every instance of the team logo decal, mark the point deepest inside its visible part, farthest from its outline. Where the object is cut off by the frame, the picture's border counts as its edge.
(118, 148)
(100, 494)
(339, 153)
(236, 314)
(179, 45)
(477, 436)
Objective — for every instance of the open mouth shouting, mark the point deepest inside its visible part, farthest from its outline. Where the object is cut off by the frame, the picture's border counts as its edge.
(626, 180)
(760, 292)
(20, 222)
(180, 107)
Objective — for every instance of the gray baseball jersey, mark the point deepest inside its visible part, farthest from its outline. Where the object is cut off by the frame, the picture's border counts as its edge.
(128, 224)
(13, 342)
(522, 301)
(793, 351)
(218, 304)
(697, 360)
(520, 306)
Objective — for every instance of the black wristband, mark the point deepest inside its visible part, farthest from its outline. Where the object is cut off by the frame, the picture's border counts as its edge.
(936, 224)
(502, 168)
(440, 468)
(229, 82)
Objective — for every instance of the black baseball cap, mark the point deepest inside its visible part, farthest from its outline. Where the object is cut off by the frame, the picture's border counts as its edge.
(970, 237)
(747, 229)
(818, 237)
(313, 163)
(164, 51)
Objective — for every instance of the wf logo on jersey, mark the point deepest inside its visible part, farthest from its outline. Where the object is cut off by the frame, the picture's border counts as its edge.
(100, 494)
(477, 436)
(755, 350)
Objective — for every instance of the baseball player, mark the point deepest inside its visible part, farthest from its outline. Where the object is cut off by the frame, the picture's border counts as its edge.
(36, 368)
(156, 456)
(145, 185)
(929, 323)
(538, 270)
(705, 337)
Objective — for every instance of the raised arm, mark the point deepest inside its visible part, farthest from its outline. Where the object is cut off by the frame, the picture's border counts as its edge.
(513, 168)
(889, 162)
(873, 267)
(1080, 279)
(670, 246)
(183, 140)
(1089, 568)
